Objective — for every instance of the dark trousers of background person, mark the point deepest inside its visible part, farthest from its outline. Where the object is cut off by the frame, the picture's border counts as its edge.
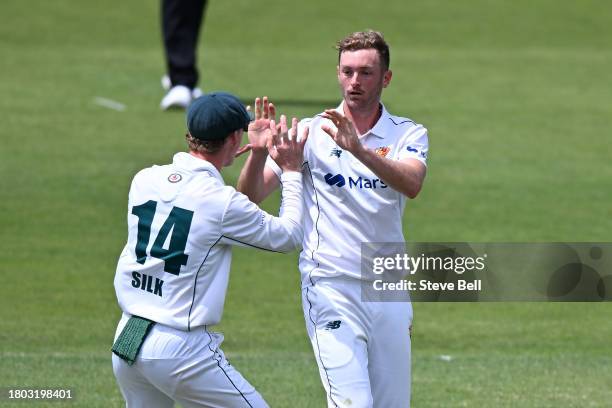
(181, 21)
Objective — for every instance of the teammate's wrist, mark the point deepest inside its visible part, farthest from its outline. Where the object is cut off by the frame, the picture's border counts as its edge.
(259, 152)
(291, 168)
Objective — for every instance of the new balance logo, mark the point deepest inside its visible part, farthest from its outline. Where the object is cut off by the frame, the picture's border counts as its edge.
(337, 180)
(335, 152)
(333, 325)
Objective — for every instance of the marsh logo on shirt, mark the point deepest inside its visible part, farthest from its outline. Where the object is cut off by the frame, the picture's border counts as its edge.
(339, 180)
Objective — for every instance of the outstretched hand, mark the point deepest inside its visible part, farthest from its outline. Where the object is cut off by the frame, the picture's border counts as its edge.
(284, 146)
(345, 134)
(259, 129)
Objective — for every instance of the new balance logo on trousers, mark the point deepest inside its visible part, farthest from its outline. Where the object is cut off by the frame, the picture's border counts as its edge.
(333, 325)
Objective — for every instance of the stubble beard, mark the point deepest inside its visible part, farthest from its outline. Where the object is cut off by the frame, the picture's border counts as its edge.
(364, 104)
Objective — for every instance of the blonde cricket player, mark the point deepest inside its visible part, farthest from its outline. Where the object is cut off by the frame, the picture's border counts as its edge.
(173, 273)
(361, 163)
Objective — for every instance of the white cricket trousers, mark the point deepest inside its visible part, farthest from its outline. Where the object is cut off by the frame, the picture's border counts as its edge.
(362, 348)
(186, 367)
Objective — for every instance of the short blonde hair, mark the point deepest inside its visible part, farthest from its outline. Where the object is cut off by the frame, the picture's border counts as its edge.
(363, 40)
(204, 146)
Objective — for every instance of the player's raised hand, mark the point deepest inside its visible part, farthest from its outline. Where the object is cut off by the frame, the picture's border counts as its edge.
(345, 134)
(259, 129)
(284, 146)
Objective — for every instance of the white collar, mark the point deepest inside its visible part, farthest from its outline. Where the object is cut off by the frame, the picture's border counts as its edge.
(191, 163)
(380, 128)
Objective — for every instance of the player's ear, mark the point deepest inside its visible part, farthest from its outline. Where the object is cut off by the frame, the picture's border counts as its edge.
(387, 78)
(236, 137)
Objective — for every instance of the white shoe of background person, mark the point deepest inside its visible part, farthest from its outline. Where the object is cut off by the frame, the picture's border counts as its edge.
(167, 84)
(196, 93)
(177, 97)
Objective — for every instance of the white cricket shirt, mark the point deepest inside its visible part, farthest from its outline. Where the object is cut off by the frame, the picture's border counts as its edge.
(346, 204)
(182, 222)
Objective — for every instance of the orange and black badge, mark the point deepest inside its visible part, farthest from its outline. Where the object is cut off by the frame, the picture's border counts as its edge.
(382, 151)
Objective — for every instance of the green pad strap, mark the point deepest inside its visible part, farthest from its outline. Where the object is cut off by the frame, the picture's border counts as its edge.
(132, 336)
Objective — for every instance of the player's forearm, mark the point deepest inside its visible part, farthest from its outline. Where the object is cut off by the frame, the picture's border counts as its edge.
(290, 214)
(251, 180)
(399, 175)
(245, 223)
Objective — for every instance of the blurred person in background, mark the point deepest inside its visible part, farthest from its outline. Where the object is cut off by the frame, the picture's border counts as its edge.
(181, 21)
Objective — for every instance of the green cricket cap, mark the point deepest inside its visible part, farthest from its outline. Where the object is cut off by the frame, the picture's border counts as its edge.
(215, 115)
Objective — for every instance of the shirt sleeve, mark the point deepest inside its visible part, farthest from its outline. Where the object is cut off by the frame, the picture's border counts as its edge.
(244, 223)
(415, 145)
(274, 167)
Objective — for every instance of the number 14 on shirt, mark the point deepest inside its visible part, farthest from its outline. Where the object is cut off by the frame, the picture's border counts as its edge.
(178, 221)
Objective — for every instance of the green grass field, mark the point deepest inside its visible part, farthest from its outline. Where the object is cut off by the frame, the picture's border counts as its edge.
(516, 97)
